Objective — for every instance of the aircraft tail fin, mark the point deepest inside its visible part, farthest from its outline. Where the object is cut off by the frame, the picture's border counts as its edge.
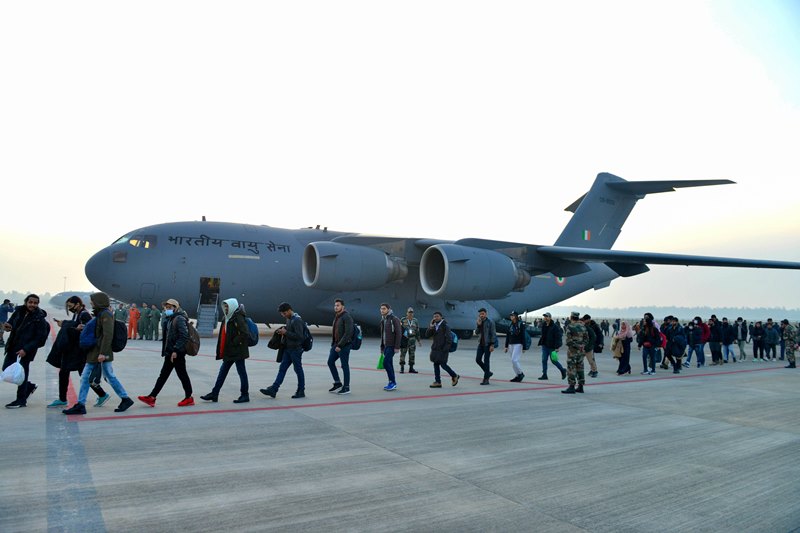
(600, 213)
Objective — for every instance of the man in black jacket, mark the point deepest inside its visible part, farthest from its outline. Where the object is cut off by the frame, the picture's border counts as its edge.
(29, 329)
(550, 341)
(440, 350)
(341, 337)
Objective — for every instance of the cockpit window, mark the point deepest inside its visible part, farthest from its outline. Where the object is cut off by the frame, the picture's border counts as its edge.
(138, 240)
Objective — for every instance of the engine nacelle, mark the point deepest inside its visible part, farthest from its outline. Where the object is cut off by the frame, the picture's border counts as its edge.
(465, 273)
(346, 267)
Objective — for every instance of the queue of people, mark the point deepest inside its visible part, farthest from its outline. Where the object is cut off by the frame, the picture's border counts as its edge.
(665, 345)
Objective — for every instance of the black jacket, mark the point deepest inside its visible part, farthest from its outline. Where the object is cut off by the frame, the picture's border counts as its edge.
(66, 352)
(29, 331)
(442, 341)
(551, 336)
(175, 333)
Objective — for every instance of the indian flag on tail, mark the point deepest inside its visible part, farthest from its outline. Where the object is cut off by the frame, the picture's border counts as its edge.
(587, 235)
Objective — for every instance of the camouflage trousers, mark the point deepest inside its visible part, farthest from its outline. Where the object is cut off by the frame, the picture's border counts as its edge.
(790, 353)
(575, 367)
(411, 349)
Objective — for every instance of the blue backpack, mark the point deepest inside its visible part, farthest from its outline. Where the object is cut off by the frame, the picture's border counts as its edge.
(454, 343)
(355, 342)
(252, 332)
(88, 338)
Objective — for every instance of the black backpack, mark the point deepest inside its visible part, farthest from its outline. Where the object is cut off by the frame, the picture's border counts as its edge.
(355, 342)
(308, 340)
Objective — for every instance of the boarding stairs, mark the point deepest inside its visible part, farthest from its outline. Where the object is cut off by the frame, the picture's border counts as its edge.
(207, 318)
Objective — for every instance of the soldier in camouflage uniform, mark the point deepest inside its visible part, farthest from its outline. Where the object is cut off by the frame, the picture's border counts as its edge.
(410, 340)
(790, 339)
(575, 337)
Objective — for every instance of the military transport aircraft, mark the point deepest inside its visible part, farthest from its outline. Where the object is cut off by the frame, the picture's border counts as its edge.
(202, 263)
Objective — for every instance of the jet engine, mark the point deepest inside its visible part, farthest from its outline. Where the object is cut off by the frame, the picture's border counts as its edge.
(465, 273)
(346, 267)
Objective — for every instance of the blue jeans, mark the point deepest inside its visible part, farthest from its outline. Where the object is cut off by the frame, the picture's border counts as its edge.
(649, 356)
(108, 371)
(294, 357)
(728, 349)
(344, 356)
(546, 357)
(244, 384)
(388, 363)
(701, 356)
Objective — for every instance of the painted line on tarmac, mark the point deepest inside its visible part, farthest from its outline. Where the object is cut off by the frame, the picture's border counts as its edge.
(539, 387)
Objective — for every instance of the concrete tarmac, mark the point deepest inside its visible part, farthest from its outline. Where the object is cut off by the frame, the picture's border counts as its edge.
(710, 449)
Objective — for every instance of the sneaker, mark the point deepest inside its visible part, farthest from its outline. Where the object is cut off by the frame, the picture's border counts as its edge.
(436, 385)
(543, 377)
(149, 400)
(57, 403)
(686, 365)
(412, 371)
(646, 373)
(484, 382)
(391, 386)
(336, 386)
(16, 404)
(269, 391)
(455, 380)
(77, 409)
(31, 389)
(186, 402)
(299, 394)
(101, 400)
(124, 405)
(344, 390)
(652, 371)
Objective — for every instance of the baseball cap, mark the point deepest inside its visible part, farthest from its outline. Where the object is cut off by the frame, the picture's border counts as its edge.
(172, 301)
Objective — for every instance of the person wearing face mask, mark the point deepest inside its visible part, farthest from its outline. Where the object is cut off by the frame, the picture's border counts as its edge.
(67, 355)
(758, 341)
(694, 336)
(173, 350)
(648, 339)
(233, 350)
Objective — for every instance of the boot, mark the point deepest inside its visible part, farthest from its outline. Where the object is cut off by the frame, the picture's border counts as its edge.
(411, 370)
(543, 377)
(580, 388)
(299, 394)
(569, 390)
(243, 398)
(790, 365)
(402, 368)
(210, 397)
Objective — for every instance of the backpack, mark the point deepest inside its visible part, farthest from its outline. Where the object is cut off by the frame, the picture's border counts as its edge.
(120, 338)
(88, 338)
(252, 330)
(526, 339)
(680, 344)
(193, 342)
(308, 340)
(454, 343)
(663, 340)
(355, 342)
(43, 340)
(598, 338)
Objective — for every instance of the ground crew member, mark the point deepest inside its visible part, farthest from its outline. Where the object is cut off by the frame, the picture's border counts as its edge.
(133, 322)
(790, 338)
(155, 318)
(144, 322)
(576, 338)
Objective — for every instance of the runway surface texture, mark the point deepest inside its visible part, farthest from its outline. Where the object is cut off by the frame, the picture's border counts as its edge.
(710, 449)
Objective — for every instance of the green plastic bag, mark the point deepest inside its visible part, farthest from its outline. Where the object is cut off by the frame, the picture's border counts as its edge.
(554, 356)
(380, 362)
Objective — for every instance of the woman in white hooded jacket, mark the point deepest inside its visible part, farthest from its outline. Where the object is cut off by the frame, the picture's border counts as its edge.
(232, 349)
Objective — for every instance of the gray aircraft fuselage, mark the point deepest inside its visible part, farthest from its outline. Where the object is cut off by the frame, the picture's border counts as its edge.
(260, 266)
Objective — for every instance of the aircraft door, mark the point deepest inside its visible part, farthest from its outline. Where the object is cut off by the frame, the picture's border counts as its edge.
(147, 291)
(209, 291)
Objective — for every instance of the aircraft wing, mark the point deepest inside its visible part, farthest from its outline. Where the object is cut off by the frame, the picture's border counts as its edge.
(628, 263)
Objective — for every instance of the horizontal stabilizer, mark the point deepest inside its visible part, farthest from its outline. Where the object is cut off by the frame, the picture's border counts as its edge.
(619, 257)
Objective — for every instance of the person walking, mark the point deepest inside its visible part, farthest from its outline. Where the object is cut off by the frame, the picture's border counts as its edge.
(515, 340)
(100, 354)
(550, 341)
(292, 333)
(232, 349)
(28, 330)
(487, 337)
(442, 338)
(625, 337)
(67, 355)
(341, 339)
(391, 338)
(173, 350)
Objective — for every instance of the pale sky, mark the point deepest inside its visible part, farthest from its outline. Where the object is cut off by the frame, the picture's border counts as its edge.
(419, 118)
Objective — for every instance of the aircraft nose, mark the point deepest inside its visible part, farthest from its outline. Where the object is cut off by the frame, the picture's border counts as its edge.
(97, 268)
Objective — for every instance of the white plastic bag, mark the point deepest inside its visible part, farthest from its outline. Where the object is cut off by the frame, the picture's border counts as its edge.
(14, 374)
